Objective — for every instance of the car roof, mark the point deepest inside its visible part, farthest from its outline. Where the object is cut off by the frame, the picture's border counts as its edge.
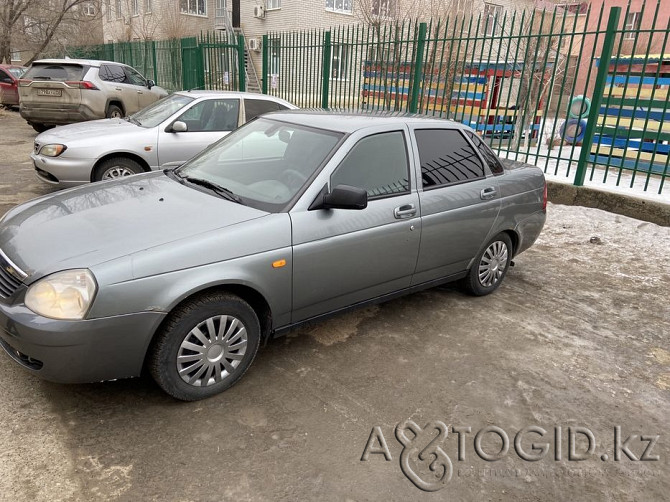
(87, 62)
(347, 121)
(197, 93)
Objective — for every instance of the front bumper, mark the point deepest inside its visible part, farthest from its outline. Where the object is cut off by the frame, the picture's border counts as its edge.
(77, 351)
(63, 171)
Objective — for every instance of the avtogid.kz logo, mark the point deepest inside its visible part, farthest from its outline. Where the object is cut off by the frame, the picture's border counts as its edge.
(424, 461)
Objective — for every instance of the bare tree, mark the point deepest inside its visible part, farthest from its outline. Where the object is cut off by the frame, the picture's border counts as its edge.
(11, 12)
(36, 24)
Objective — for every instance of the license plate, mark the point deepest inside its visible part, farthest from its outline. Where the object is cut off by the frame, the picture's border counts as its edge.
(50, 92)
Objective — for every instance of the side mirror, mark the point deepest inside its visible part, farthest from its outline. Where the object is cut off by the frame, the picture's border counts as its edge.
(341, 197)
(150, 83)
(179, 126)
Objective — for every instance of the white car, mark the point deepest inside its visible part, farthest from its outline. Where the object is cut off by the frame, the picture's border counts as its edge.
(163, 135)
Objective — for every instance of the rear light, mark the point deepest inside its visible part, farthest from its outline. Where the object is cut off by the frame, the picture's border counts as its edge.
(24, 82)
(544, 198)
(83, 84)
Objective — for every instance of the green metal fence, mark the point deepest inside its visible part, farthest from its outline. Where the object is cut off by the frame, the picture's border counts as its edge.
(583, 93)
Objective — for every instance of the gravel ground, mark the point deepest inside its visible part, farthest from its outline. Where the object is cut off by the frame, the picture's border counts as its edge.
(576, 338)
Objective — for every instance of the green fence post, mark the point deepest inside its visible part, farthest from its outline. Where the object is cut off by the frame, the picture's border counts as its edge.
(596, 101)
(418, 69)
(325, 74)
(155, 58)
(240, 62)
(264, 66)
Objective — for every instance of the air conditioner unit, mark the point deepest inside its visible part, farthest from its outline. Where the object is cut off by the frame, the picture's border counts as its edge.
(254, 44)
(259, 11)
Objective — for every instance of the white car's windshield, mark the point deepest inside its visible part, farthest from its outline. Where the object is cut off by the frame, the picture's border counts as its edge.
(264, 164)
(156, 113)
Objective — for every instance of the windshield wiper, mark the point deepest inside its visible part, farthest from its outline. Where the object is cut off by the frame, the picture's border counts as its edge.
(218, 189)
(133, 120)
(42, 77)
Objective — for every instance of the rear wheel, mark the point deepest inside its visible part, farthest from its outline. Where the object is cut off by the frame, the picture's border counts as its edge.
(114, 112)
(40, 127)
(490, 267)
(205, 347)
(116, 167)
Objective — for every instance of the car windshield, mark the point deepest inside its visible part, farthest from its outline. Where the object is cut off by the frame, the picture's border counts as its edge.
(157, 112)
(264, 164)
(17, 72)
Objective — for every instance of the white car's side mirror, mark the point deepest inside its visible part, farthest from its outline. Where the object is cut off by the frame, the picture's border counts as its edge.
(179, 126)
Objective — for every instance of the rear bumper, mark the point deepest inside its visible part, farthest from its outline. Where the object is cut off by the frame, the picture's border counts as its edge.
(64, 172)
(77, 351)
(529, 230)
(57, 114)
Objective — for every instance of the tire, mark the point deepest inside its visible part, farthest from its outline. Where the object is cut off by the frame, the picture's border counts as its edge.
(114, 112)
(579, 108)
(483, 278)
(573, 130)
(116, 167)
(40, 127)
(224, 364)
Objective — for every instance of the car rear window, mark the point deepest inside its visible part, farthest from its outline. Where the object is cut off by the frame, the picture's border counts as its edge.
(54, 71)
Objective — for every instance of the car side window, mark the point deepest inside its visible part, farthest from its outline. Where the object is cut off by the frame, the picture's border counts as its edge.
(212, 115)
(491, 158)
(4, 78)
(378, 164)
(134, 77)
(255, 107)
(446, 158)
(112, 73)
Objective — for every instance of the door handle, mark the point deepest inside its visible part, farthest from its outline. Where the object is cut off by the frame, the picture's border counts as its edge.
(488, 193)
(406, 211)
(139, 92)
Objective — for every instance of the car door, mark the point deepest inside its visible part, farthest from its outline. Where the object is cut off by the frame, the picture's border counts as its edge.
(144, 95)
(342, 257)
(460, 201)
(118, 86)
(207, 121)
(9, 94)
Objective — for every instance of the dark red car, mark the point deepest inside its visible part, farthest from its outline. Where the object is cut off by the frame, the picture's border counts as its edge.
(9, 82)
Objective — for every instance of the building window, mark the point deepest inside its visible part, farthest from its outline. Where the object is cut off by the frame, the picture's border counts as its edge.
(16, 56)
(632, 25)
(339, 6)
(339, 61)
(195, 7)
(135, 7)
(491, 18)
(273, 4)
(579, 8)
(89, 9)
(383, 8)
(148, 6)
(117, 8)
(108, 9)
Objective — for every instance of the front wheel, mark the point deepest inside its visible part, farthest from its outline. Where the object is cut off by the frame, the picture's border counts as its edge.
(490, 267)
(40, 127)
(205, 347)
(116, 167)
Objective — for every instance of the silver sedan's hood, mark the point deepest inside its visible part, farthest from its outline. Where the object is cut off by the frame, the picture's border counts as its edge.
(86, 226)
(86, 130)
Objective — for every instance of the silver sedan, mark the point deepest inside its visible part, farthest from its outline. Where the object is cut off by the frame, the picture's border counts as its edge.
(165, 134)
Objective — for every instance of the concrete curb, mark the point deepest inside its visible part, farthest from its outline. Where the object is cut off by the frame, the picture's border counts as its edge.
(633, 207)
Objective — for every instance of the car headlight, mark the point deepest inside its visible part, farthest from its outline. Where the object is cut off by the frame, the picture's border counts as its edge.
(63, 295)
(53, 150)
